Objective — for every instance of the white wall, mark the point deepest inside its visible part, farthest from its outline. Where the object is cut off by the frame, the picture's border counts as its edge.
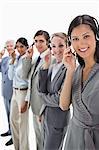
(24, 17)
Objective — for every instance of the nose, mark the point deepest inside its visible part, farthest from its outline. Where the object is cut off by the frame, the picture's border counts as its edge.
(37, 44)
(82, 42)
(58, 50)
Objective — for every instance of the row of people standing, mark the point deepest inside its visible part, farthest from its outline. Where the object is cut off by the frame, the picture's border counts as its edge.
(49, 114)
(47, 76)
(21, 70)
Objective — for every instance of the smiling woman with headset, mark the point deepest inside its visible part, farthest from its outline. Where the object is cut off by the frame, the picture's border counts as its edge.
(83, 84)
(51, 77)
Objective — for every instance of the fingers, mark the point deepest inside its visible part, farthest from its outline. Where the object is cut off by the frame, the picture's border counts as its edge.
(29, 52)
(2, 52)
(24, 108)
(13, 54)
(69, 52)
(30, 49)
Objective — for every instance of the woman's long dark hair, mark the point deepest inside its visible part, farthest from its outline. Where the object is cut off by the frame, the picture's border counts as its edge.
(23, 41)
(94, 25)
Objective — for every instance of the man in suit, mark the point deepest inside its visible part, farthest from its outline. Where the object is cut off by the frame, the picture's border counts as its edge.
(30, 71)
(6, 83)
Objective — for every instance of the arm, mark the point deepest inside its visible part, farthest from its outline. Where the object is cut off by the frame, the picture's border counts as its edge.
(0, 64)
(26, 67)
(43, 75)
(27, 63)
(1, 55)
(51, 100)
(11, 71)
(65, 95)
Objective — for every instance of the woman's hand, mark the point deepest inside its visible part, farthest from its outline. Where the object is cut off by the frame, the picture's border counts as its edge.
(13, 55)
(2, 53)
(69, 59)
(24, 107)
(29, 52)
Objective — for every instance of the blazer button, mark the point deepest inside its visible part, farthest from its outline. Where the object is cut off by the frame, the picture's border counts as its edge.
(3, 81)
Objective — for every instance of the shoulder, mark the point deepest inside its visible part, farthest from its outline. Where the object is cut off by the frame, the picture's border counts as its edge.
(5, 59)
(34, 60)
(53, 60)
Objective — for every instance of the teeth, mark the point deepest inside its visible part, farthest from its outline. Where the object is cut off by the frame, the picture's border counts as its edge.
(83, 49)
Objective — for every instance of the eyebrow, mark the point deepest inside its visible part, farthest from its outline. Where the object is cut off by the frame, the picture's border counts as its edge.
(86, 33)
(82, 34)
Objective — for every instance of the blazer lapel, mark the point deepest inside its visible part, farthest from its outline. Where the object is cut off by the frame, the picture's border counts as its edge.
(92, 73)
(37, 68)
(59, 73)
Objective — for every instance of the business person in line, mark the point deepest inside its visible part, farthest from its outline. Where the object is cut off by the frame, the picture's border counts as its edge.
(30, 72)
(7, 88)
(83, 84)
(51, 77)
(19, 107)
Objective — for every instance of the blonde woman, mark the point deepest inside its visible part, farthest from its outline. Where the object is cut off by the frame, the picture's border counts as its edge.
(51, 78)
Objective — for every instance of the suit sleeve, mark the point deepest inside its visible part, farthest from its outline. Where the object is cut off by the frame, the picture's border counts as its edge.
(0, 64)
(26, 67)
(50, 99)
(42, 84)
(11, 71)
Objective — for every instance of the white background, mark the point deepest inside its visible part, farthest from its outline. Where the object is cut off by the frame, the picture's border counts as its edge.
(22, 18)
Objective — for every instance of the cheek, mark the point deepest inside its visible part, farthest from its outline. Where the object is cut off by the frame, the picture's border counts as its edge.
(94, 44)
(75, 47)
(53, 51)
(18, 50)
(45, 46)
(62, 50)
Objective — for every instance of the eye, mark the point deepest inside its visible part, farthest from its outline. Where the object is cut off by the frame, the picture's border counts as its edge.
(75, 39)
(21, 46)
(86, 36)
(41, 41)
(53, 46)
(61, 45)
(35, 41)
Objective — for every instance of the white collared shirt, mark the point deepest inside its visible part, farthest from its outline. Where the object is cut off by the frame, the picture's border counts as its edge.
(55, 69)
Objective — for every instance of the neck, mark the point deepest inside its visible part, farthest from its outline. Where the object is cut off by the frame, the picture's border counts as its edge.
(87, 69)
(89, 64)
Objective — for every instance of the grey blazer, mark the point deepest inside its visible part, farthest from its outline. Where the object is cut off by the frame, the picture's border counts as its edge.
(49, 92)
(83, 131)
(32, 76)
(7, 89)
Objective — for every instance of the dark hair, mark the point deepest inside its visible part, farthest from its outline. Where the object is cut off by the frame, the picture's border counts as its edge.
(23, 41)
(44, 33)
(93, 23)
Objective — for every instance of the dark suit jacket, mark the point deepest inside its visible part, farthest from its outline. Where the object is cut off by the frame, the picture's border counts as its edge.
(50, 95)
